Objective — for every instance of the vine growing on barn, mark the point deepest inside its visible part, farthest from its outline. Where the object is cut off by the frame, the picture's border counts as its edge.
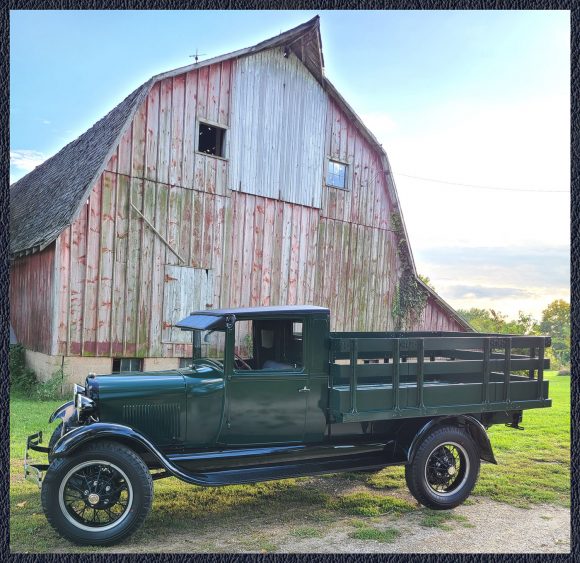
(410, 298)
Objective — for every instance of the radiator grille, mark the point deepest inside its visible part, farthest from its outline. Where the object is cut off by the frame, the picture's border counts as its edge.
(155, 420)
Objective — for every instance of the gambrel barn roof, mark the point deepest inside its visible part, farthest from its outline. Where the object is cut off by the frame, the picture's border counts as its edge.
(48, 199)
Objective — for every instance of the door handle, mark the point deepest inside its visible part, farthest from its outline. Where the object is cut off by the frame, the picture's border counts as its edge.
(303, 390)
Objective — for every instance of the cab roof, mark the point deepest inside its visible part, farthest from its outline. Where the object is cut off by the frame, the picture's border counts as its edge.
(216, 318)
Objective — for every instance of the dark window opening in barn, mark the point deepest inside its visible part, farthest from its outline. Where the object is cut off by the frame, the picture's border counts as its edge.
(336, 174)
(127, 364)
(185, 363)
(211, 140)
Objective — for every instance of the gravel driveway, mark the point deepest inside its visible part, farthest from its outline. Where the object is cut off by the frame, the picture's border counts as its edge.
(484, 526)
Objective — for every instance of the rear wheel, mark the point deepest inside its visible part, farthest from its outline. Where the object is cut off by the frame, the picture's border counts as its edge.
(445, 468)
(98, 496)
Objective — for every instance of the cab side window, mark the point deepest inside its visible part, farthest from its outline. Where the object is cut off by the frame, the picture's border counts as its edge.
(271, 345)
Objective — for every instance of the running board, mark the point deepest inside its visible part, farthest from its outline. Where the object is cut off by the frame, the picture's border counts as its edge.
(282, 471)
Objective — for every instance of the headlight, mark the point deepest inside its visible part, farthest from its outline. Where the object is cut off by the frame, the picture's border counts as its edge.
(82, 403)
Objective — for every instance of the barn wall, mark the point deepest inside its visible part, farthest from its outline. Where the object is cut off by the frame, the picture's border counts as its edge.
(277, 136)
(162, 232)
(158, 205)
(435, 317)
(358, 262)
(32, 300)
(270, 253)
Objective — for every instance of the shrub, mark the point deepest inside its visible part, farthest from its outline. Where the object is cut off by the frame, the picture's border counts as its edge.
(22, 379)
(51, 388)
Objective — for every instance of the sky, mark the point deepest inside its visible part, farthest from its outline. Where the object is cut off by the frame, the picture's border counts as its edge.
(472, 108)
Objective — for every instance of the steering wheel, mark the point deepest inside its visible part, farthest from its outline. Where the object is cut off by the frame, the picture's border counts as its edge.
(238, 360)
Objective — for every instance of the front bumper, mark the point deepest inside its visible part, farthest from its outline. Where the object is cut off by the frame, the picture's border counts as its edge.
(34, 471)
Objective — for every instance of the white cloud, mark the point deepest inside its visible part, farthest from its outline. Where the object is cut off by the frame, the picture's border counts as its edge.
(26, 160)
(23, 161)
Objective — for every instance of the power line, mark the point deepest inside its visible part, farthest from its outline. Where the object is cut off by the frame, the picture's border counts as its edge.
(497, 188)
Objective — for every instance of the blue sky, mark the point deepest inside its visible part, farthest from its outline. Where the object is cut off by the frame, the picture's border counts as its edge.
(469, 97)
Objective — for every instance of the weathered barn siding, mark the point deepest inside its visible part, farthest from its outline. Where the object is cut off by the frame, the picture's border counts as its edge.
(271, 253)
(31, 300)
(163, 232)
(435, 317)
(113, 265)
(277, 135)
(366, 201)
(358, 266)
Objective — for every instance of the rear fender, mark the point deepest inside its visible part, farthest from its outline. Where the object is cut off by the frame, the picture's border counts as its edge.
(471, 424)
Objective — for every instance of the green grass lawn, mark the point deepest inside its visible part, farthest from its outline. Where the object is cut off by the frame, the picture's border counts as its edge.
(533, 467)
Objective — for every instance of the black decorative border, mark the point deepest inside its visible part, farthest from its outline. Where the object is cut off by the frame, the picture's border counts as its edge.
(321, 5)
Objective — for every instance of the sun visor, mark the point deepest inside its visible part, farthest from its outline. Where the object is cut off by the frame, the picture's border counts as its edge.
(202, 322)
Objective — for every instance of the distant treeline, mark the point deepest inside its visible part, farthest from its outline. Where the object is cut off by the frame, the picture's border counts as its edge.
(555, 322)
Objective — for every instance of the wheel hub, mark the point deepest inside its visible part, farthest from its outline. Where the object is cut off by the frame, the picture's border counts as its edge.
(93, 498)
(451, 470)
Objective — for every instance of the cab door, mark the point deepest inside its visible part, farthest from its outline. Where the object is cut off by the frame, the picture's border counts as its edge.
(268, 396)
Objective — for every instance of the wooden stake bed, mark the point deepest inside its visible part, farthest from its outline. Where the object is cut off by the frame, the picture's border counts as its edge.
(382, 376)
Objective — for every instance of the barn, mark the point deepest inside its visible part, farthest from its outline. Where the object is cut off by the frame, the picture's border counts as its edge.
(242, 180)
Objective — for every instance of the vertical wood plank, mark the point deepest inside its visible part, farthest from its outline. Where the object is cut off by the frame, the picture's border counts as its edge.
(164, 142)
(132, 281)
(107, 259)
(151, 138)
(202, 88)
(124, 151)
(79, 259)
(258, 254)
(248, 250)
(145, 271)
(213, 98)
(139, 134)
(189, 129)
(64, 290)
(177, 131)
(224, 93)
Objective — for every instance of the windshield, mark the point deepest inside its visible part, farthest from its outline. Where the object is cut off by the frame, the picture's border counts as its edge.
(209, 344)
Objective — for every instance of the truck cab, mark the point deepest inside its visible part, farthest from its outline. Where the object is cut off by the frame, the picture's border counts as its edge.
(275, 363)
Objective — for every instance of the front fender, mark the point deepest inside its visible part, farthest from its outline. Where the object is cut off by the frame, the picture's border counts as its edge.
(65, 412)
(474, 427)
(76, 438)
(80, 435)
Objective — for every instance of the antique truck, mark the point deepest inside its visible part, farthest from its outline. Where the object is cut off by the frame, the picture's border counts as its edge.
(272, 393)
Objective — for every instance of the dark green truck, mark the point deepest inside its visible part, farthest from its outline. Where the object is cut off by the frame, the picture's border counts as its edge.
(271, 393)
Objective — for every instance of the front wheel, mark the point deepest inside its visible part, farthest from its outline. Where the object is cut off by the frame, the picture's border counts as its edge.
(445, 468)
(98, 496)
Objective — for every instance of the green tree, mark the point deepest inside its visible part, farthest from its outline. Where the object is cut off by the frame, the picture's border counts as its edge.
(556, 323)
(426, 281)
(489, 320)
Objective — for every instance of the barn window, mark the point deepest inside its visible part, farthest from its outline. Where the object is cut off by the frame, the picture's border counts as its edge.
(211, 139)
(127, 364)
(336, 174)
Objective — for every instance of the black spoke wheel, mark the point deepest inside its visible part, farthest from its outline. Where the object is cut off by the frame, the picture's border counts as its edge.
(444, 469)
(447, 468)
(95, 495)
(98, 496)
